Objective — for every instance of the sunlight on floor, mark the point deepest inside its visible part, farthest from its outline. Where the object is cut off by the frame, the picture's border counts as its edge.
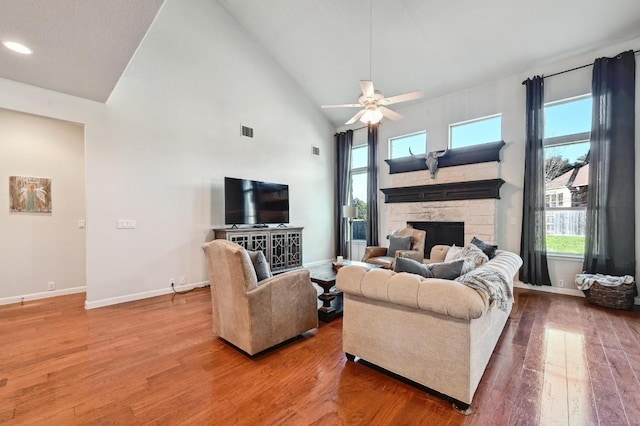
(565, 390)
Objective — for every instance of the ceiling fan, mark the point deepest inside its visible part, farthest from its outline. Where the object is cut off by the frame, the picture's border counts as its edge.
(373, 104)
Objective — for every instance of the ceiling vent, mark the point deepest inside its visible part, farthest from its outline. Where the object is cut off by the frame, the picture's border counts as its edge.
(247, 131)
(315, 150)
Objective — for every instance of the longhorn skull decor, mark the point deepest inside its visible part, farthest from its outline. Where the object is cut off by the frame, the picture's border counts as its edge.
(431, 160)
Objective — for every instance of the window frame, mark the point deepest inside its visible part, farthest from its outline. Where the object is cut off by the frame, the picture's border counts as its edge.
(473, 120)
(556, 141)
(353, 171)
(390, 144)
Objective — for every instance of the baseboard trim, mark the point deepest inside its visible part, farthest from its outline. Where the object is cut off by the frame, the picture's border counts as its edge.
(318, 262)
(550, 289)
(559, 290)
(144, 295)
(42, 295)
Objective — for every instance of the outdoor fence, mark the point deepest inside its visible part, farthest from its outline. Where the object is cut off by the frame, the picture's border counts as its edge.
(566, 222)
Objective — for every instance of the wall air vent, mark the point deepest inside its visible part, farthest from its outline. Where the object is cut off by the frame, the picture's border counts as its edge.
(316, 150)
(247, 131)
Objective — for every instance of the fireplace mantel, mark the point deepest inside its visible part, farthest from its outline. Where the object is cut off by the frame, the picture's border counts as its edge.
(454, 157)
(474, 190)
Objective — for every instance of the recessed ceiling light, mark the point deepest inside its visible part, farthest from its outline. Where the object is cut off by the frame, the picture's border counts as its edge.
(17, 47)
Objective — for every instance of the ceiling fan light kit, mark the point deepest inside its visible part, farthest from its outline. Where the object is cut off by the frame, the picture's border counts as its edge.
(371, 115)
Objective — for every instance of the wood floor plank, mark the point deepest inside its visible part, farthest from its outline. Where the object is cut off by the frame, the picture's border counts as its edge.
(560, 360)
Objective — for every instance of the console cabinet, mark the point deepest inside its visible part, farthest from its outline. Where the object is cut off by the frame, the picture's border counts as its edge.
(281, 246)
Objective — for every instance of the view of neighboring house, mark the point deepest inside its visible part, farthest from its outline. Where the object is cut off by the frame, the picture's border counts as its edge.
(565, 202)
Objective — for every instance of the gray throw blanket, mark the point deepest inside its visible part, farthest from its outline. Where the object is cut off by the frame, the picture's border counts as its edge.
(491, 283)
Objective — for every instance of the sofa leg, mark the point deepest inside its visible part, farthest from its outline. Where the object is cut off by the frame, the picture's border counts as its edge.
(349, 356)
(463, 408)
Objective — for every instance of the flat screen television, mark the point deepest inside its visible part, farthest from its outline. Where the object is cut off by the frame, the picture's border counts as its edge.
(251, 202)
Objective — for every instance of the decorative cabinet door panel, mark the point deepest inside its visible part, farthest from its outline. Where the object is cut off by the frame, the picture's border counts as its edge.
(281, 246)
(294, 243)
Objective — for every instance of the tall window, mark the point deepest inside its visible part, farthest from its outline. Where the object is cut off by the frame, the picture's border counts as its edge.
(416, 142)
(358, 186)
(567, 124)
(475, 132)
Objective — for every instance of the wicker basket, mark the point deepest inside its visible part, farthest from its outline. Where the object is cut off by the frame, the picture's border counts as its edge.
(618, 297)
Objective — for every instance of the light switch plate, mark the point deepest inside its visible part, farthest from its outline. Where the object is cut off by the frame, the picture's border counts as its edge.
(126, 224)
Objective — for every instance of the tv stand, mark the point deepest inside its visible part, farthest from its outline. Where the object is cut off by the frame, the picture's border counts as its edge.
(281, 246)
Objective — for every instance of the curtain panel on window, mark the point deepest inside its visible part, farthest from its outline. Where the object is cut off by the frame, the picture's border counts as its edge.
(533, 248)
(610, 227)
(372, 185)
(344, 142)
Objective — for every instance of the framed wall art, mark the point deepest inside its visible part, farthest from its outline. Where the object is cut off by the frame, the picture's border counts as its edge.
(29, 194)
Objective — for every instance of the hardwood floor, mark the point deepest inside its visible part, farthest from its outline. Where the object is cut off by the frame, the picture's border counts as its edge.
(156, 361)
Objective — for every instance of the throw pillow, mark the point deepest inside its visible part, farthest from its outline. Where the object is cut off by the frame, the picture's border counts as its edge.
(404, 264)
(398, 243)
(263, 271)
(453, 253)
(488, 249)
(446, 270)
(443, 270)
(472, 251)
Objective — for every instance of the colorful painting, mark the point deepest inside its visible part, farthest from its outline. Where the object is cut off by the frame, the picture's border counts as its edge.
(29, 194)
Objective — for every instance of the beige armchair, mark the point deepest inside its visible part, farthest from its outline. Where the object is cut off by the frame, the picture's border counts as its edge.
(378, 255)
(252, 315)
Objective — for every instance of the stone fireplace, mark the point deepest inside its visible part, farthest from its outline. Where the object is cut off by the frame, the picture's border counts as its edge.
(478, 216)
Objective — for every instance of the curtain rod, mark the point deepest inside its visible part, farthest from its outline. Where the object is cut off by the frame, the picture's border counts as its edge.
(573, 69)
(359, 128)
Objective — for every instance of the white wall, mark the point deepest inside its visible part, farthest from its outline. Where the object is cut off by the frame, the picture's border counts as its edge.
(38, 248)
(506, 96)
(158, 151)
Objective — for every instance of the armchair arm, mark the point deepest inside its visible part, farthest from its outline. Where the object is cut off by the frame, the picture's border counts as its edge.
(411, 254)
(374, 251)
(286, 299)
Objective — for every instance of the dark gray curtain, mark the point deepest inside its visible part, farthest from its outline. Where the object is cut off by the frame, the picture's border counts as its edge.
(372, 186)
(533, 247)
(610, 230)
(344, 142)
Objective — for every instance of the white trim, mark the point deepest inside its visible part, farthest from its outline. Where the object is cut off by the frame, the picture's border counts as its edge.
(566, 256)
(318, 262)
(390, 142)
(145, 295)
(42, 295)
(461, 123)
(550, 289)
(558, 290)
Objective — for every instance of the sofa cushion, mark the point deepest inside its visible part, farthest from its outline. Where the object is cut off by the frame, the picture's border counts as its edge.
(263, 271)
(398, 243)
(443, 270)
(488, 249)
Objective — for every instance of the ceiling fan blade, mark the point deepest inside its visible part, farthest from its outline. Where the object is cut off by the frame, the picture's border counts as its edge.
(367, 88)
(391, 115)
(356, 117)
(342, 106)
(401, 98)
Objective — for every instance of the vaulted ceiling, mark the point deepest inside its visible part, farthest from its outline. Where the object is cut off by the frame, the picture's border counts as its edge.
(83, 47)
